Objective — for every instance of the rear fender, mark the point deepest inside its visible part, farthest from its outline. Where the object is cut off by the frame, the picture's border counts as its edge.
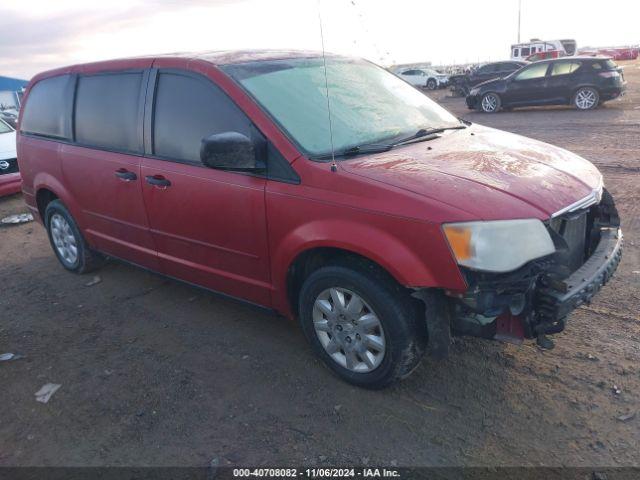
(43, 180)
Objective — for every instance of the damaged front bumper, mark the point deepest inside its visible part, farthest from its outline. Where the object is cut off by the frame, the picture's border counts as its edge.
(555, 300)
(536, 300)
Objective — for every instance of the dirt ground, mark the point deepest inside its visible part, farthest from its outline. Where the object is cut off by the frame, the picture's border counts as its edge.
(155, 372)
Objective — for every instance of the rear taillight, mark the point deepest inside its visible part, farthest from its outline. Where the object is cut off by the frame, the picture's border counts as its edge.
(610, 74)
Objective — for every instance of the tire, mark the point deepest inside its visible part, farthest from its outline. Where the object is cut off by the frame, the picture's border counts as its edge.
(401, 332)
(65, 237)
(490, 103)
(432, 84)
(586, 98)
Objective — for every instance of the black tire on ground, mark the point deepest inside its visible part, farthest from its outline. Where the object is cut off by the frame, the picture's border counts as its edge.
(401, 317)
(483, 104)
(432, 84)
(586, 98)
(86, 259)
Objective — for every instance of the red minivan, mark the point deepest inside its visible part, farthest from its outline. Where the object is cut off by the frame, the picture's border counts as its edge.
(380, 221)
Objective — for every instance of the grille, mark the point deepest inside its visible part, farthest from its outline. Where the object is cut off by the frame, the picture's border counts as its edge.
(9, 165)
(573, 230)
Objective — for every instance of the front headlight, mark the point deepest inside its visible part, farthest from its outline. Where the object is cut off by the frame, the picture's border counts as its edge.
(498, 246)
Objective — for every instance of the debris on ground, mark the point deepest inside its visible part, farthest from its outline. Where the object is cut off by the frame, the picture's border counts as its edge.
(616, 390)
(17, 218)
(5, 357)
(44, 394)
(94, 281)
(627, 417)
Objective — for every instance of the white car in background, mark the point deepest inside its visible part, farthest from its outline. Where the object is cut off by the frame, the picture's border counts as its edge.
(425, 78)
(10, 181)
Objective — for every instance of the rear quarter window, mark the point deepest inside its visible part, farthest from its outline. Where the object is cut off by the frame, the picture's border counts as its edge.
(107, 111)
(47, 111)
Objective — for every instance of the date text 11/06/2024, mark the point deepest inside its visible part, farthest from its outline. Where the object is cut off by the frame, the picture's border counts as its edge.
(316, 472)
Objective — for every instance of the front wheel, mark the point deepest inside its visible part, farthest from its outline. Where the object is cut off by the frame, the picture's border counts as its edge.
(432, 84)
(586, 98)
(490, 103)
(364, 327)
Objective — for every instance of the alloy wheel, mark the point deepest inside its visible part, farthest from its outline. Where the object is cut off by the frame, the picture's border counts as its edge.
(349, 330)
(489, 103)
(64, 239)
(586, 99)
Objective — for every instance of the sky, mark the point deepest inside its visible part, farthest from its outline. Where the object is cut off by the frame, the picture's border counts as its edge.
(37, 35)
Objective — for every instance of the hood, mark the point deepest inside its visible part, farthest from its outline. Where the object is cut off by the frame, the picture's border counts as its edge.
(7, 145)
(493, 82)
(488, 173)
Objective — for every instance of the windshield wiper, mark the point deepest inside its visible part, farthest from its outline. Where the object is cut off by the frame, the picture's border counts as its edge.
(423, 133)
(357, 150)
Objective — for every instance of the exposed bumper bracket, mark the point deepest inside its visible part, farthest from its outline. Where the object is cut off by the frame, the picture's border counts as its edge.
(438, 320)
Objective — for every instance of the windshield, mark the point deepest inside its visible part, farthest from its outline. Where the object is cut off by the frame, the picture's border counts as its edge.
(8, 101)
(368, 104)
(4, 128)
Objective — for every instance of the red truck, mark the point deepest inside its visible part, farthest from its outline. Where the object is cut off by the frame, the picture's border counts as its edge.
(380, 221)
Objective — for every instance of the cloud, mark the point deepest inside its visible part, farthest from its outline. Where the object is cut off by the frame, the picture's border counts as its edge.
(32, 43)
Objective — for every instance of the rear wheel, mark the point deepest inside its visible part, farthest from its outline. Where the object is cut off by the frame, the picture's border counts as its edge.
(67, 242)
(364, 327)
(490, 103)
(586, 98)
(432, 84)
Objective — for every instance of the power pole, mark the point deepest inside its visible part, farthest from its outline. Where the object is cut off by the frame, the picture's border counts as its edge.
(519, 15)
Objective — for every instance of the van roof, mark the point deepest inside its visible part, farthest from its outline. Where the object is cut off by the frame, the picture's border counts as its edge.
(215, 57)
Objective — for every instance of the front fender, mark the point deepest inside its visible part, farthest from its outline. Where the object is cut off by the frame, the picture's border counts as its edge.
(415, 253)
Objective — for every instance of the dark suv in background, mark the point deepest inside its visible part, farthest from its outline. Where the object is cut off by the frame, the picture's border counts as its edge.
(585, 82)
(461, 84)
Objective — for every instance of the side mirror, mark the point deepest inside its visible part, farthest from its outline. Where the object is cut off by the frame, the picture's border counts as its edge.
(228, 150)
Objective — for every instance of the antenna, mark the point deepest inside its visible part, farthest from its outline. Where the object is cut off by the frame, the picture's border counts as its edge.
(519, 15)
(334, 167)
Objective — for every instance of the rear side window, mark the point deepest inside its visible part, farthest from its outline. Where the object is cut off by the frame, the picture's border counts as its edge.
(107, 111)
(564, 68)
(189, 109)
(47, 111)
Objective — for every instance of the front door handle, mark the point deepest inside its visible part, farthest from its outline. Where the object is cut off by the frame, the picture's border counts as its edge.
(125, 175)
(157, 181)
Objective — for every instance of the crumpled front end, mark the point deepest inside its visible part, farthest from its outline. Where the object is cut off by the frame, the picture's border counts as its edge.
(536, 299)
